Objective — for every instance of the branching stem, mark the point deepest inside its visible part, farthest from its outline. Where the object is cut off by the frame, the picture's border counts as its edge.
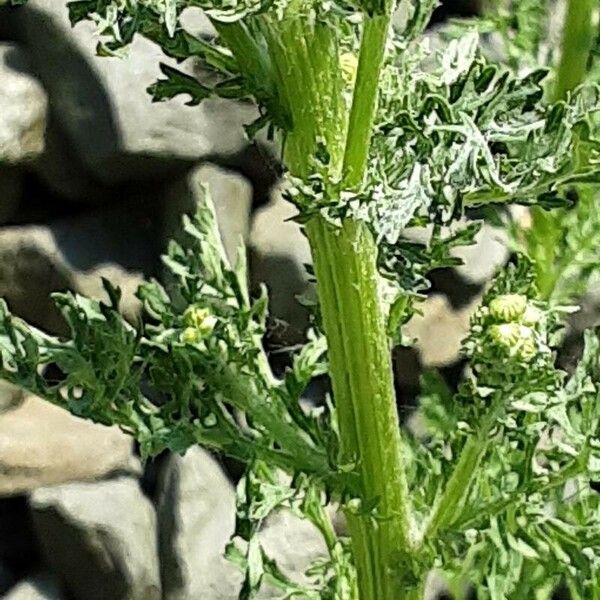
(345, 263)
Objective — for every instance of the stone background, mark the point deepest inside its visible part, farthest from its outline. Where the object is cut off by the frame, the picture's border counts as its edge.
(93, 180)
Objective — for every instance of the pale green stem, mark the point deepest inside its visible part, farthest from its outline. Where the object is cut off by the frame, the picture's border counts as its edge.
(577, 43)
(304, 61)
(447, 507)
(372, 50)
(345, 263)
(361, 373)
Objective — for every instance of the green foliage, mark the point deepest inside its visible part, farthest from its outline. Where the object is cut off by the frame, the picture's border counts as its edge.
(564, 245)
(562, 242)
(499, 493)
(530, 517)
(184, 376)
(198, 375)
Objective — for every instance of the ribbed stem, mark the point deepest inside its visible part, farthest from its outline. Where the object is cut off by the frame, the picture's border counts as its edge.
(577, 43)
(299, 57)
(361, 373)
(345, 264)
(457, 487)
(372, 50)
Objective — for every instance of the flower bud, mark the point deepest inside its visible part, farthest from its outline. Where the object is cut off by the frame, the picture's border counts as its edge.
(506, 334)
(508, 307)
(349, 66)
(516, 338)
(200, 319)
(191, 335)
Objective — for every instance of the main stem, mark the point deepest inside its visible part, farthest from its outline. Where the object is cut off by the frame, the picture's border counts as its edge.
(345, 264)
(299, 58)
(361, 373)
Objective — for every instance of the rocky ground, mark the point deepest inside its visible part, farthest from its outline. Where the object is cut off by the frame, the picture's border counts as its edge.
(93, 181)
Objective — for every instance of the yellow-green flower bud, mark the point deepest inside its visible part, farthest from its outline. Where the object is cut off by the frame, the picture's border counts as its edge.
(506, 334)
(508, 307)
(349, 66)
(201, 319)
(195, 315)
(517, 339)
(527, 347)
(191, 335)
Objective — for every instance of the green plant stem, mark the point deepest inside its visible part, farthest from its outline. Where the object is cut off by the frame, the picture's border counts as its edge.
(304, 66)
(446, 509)
(345, 264)
(372, 49)
(576, 45)
(360, 368)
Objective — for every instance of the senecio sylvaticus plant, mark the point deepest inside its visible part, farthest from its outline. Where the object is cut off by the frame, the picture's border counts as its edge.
(377, 133)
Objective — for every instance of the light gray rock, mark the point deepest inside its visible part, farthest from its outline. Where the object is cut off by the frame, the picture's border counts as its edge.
(30, 269)
(231, 195)
(436, 587)
(10, 396)
(100, 538)
(278, 253)
(483, 259)
(102, 106)
(23, 108)
(41, 445)
(196, 516)
(294, 543)
(439, 330)
(42, 586)
(75, 253)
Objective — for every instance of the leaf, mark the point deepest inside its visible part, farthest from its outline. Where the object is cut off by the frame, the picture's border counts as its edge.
(177, 83)
(170, 16)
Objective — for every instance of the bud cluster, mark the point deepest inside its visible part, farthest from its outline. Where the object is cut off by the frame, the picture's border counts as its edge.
(199, 323)
(515, 325)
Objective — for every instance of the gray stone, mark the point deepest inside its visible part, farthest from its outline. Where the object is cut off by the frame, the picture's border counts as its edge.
(231, 195)
(31, 269)
(294, 543)
(23, 107)
(10, 396)
(75, 253)
(439, 330)
(100, 538)
(41, 445)
(101, 104)
(196, 516)
(61, 170)
(483, 259)
(42, 586)
(278, 252)
(436, 587)
(196, 512)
